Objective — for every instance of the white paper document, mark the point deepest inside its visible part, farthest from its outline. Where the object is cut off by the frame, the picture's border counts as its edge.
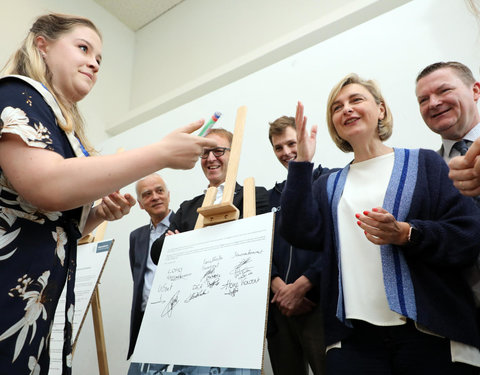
(209, 298)
(90, 262)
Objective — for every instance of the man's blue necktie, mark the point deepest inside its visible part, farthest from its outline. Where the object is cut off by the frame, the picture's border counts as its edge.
(462, 146)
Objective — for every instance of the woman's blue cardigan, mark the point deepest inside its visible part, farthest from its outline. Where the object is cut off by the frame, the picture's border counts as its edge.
(450, 242)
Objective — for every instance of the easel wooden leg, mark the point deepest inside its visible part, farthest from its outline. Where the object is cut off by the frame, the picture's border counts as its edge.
(249, 207)
(100, 232)
(95, 302)
(99, 335)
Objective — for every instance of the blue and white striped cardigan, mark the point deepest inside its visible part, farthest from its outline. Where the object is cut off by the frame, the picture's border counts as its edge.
(423, 282)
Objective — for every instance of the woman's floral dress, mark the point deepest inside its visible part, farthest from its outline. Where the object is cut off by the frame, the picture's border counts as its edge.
(37, 248)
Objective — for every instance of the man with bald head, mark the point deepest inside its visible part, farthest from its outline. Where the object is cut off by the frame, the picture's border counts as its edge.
(153, 197)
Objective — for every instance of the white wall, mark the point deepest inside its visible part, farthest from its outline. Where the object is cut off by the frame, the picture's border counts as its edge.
(200, 46)
(392, 49)
(111, 95)
(182, 55)
(197, 36)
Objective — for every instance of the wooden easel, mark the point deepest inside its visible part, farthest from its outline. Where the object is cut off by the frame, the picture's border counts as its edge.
(96, 309)
(211, 214)
(95, 303)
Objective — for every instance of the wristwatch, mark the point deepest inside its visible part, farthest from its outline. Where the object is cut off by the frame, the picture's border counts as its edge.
(414, 235)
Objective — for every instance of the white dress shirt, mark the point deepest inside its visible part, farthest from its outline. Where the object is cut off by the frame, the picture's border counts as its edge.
(449, 152)
(151, 267)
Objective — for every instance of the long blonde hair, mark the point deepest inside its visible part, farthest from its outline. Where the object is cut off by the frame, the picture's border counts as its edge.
(28, 62)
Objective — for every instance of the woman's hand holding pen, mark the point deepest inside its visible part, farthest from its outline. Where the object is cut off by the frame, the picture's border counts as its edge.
(306, 144)
(183, 149)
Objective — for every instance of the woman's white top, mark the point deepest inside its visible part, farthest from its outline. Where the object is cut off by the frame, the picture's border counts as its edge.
(362, 276)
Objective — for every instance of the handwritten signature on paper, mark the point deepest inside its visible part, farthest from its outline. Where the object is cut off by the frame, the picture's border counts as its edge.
(195, 295)
(209, 261)
(162, 288)
(211, 277)
(230, 288)
(242, 269)
(247, 252)
(167, 311)
(175, 274)
(250, 281)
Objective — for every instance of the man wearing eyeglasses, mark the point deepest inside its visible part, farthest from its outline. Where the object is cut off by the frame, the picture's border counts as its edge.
(214, 165)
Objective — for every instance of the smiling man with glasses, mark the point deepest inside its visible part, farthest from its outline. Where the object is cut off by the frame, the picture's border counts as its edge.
(214, 162)
(217, 152)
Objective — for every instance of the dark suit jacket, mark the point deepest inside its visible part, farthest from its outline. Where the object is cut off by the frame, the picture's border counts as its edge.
(186, 217)
(139, 241)
(138, 252)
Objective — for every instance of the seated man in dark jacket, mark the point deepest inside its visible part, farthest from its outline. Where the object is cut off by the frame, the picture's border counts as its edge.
(214, 164)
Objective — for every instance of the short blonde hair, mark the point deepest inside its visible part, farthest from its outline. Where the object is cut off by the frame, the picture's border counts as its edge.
(385, 126)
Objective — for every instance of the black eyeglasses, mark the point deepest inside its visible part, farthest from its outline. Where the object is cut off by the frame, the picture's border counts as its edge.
(217, 152)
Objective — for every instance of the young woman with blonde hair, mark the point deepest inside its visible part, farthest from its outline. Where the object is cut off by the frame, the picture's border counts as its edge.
(48, 180)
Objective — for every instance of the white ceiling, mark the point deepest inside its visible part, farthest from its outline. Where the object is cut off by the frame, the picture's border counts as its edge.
(137, 13)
